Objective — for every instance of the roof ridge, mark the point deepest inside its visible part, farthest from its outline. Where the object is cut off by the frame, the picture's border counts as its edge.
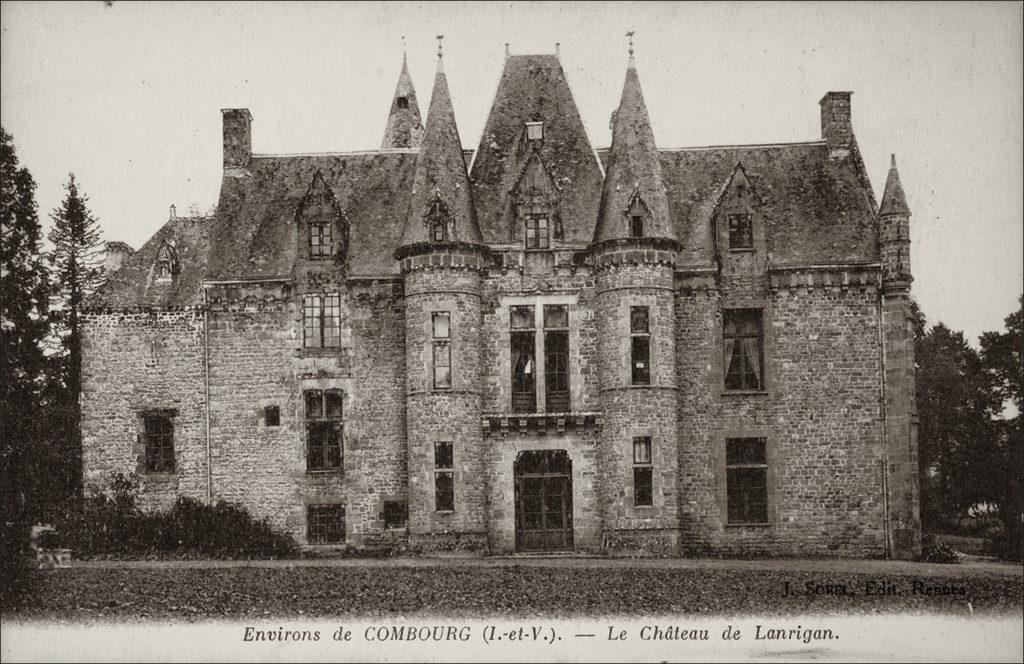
(738, 145)
(348, 153)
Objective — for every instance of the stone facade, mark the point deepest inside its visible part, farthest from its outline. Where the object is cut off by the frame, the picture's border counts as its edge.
(223, 349)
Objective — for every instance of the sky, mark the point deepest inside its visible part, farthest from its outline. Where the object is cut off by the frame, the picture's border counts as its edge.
(127, 96)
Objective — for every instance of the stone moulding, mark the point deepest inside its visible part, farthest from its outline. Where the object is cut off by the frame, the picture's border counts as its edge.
(865, 277)
(539, 423)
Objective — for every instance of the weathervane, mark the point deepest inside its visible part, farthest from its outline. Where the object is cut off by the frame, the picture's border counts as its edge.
(630, 35)
(440, 52)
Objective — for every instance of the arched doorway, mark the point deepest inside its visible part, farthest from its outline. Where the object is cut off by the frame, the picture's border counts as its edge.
(543, 495)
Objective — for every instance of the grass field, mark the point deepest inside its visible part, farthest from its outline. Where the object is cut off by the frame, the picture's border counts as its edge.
(190, 593)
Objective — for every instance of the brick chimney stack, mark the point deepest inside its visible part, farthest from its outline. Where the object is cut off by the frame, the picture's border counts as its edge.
(237, 141)
(115, 255)
(836, 126)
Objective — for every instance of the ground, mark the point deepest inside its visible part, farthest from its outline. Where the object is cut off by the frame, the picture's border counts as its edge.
(202, 590)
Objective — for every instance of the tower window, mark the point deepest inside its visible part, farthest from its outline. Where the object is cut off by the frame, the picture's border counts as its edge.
(321, 321)
(403, 102)
(444, 477)
(640, 345)
(535, 131)
(746, 479)
(743, 341)
(643, 472)
(636, 226)
(537, 232)
(741, 234)
(441, 330)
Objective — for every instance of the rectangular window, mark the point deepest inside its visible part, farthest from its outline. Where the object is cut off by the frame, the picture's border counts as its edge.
(743, 340)
(741, 235)
(444, 477)
(319, 239)
(321, 321)
(535, 131)
(441, 331)
(325, 427)
(403, 102)
(159, 439)
(556, 358)
(636, 226)
(746, 468)
(643, 472)
(537, 232)
(640, 345)
(325, 524)
(271, 416)
(394, 514)
(523, 359)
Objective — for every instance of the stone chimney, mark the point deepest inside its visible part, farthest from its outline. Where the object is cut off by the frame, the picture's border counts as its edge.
(115, 255)
(237, 141)
(836, 126)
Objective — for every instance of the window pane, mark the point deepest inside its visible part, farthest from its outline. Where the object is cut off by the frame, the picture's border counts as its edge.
(311, 312)
(556, 371)
(748, 495)
(740, 231)
(523, 372)
(642, 450)
(325, 524)
(444, 491)
(335, 404)
(441, 324)
(444, 455)
(314, 403)
(643, 486)
(637, 226)
(556, 315)
(641, 368)
(442, 378)
(745, 451)
(638, 320)
(521, 317)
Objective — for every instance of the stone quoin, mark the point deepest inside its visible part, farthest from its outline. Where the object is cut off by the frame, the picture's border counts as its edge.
(534, 346)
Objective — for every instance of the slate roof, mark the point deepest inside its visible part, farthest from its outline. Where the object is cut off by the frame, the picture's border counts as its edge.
(816, 209)
(534, 88)
(633, 170)
(441, 176)
(134, 284)
(894, 201)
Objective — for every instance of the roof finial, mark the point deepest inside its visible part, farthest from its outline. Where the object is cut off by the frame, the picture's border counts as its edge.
(508, 51)
(892, 162)
(440, 54)
(630, 35)
(174, 211)
(403, 49)
(558, 50)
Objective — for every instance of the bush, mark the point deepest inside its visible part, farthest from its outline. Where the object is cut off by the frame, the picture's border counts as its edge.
(1008, 544)
(941, 553)
(110, 525)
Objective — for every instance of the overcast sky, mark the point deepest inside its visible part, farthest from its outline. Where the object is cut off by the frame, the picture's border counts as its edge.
(128, 97)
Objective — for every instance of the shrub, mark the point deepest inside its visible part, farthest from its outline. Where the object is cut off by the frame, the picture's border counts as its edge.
(941, 553)
(110, 525)
(1008, 544)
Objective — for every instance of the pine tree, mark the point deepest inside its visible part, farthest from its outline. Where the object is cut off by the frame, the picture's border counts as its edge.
(23, 331)
(76, 268)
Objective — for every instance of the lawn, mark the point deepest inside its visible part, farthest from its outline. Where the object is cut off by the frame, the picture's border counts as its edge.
(131, 593)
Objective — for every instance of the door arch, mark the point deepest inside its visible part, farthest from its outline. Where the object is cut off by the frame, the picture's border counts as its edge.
(543, 496)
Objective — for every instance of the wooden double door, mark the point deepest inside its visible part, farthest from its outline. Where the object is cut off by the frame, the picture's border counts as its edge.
(543, 495)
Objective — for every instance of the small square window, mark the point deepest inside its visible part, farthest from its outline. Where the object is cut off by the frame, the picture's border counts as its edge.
(325, 524)
(535, 131)
(272, 416)
(394, 514)
(403, 102)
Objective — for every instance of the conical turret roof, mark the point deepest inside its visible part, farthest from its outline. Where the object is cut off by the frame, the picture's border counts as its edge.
(894, 201)
(441, 183)
(405, 129)
(633, 171)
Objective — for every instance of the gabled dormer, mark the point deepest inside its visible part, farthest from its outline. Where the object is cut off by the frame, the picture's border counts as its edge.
(166, 268)
(535, 204)
(738, 225)
(638, 215)
(438, 221)
(322, 228)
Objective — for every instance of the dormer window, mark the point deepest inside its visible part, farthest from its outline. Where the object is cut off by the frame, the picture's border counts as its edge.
(741, 235)
(535, 131)
(437, 231)
(403, 102)
(166, 264)
(636, 226)
(319, 239)
(538, 232)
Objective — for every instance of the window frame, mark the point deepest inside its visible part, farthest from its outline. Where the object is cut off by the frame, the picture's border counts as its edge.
(324, 421)
(159, 456)
(636, 226)
(736, 317)
(643, 468)
(320, 239)
(538, 241)
(441, 351)
(403, 514)
(551, 332)
(272, 416)
(743, 468)
(317, 519)
(531, 128)
(639, 344)
(317, 321)
(402, 101)
(523, 339)
(735, 232)
(447, 472)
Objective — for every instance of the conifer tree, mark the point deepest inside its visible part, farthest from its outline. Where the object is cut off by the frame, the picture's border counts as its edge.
(76, 265)
(23, 330)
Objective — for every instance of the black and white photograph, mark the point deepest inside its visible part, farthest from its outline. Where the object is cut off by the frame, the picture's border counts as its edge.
(520, 331)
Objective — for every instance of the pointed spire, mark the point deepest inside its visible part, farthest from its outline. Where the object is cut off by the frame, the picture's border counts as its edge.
(894, 201)
(404, 128)
(633, 172)
(441, 183)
